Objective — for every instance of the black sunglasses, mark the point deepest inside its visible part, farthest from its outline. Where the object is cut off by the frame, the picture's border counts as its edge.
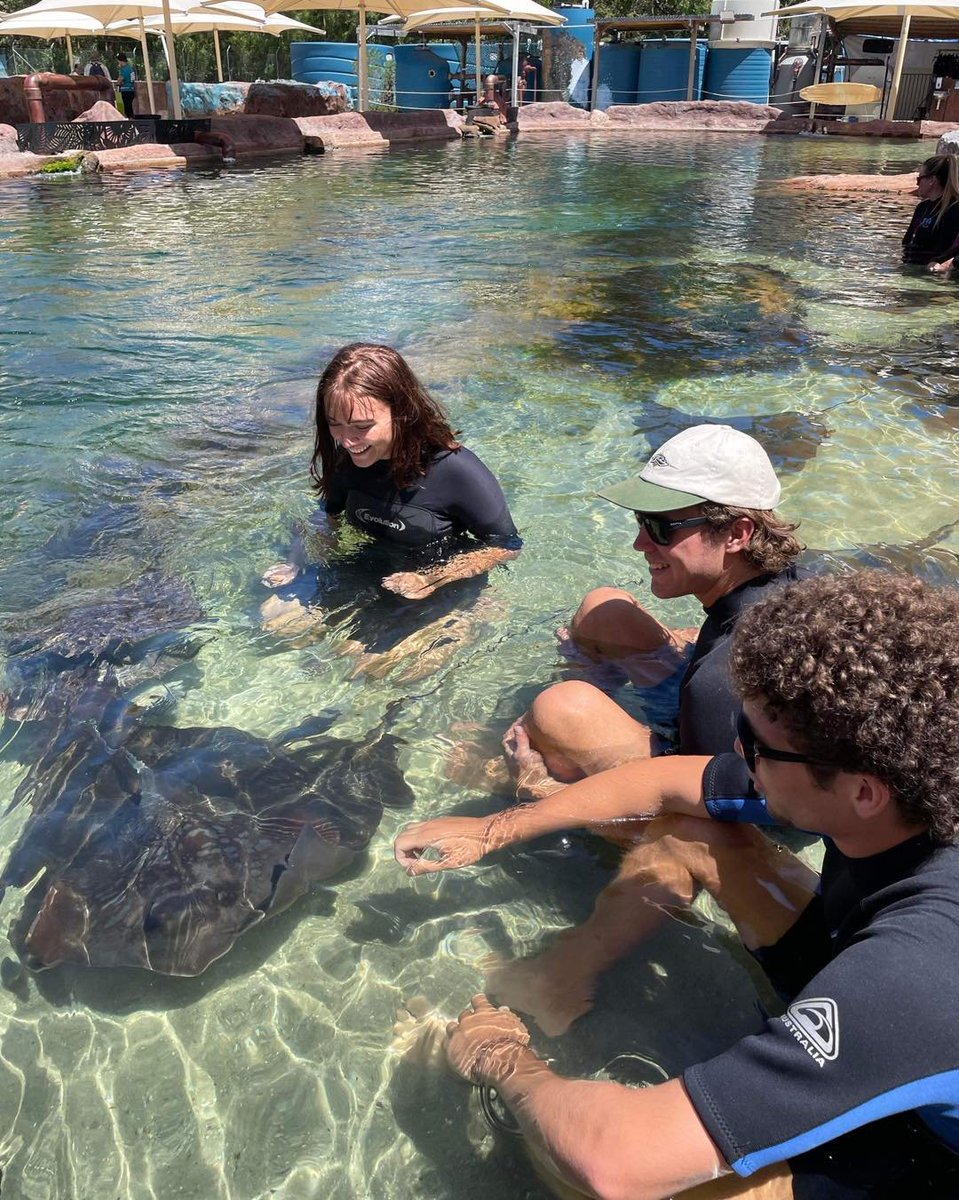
(752, 748)
(660, 530)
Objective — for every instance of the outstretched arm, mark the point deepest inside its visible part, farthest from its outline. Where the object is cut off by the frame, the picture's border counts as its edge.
(417, 585)
(643, 788)
(612, 1141)
(310, 539)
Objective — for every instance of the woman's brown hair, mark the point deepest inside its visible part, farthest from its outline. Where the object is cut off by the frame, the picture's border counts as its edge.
(420, 426)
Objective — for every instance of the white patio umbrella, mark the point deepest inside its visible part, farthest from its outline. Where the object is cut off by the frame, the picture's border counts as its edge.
(512, 10)
(111, 11)
(887, 18)
(215, 20)
(53, 25)
(397, 8)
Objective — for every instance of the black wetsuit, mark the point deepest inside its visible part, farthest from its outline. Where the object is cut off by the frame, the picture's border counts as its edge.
(707, 703)
(457, 496)
(926, 242)
(856, 1085)
(456, 506)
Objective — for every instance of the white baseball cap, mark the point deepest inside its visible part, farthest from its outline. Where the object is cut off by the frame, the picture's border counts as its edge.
(704, 462)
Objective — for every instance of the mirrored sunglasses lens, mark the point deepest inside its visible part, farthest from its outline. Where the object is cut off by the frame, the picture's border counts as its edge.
(656, 529)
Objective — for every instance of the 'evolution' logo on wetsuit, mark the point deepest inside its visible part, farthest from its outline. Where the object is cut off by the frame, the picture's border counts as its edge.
(815, 1026)
(368, 518)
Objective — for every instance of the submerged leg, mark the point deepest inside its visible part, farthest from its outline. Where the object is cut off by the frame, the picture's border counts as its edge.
(761, 887)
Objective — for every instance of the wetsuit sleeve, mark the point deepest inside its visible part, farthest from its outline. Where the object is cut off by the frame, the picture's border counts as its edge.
(476, 500)
(729, 794)
(872, 1034)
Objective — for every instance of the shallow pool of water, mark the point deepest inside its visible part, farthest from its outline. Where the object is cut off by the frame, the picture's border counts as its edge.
(573, 301)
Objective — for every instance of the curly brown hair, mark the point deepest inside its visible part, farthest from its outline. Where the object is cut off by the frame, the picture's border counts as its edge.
(420, 426)
(862, 670)
(771, 548)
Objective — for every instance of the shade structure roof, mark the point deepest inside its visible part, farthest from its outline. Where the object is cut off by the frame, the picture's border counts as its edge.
(399, 8)
(208, 20)
(109, 11)
(50, 24)
(273, 23)
(882, 18)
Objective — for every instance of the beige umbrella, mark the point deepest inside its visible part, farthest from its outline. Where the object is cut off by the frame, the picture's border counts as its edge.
(213, 20)
(111, 11)
(886, 18)
(53, 25)
(397, 8)
(512, 10)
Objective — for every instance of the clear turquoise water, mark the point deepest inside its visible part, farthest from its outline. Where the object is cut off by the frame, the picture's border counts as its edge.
(570, 300)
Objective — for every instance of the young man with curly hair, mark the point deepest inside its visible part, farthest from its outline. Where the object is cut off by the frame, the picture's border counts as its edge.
(849, 727)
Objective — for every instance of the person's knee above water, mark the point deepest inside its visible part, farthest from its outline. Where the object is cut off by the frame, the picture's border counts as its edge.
(705, 504)
(850, 724)
(386, 459)
(933, 234)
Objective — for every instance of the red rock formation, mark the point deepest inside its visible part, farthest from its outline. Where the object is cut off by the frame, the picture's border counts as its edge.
(852, 183)
(101, 111)
(732, 115)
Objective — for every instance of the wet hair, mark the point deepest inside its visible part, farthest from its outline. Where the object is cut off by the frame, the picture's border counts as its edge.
(420, 426)
(945, 169)
(862, 670)
(771, 548)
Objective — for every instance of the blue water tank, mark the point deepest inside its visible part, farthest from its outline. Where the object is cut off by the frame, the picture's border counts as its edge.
(336, 62)
(618, 74)
(422, 79)
(449, 52)
(738, 73)
(664, 70)
(580, 24)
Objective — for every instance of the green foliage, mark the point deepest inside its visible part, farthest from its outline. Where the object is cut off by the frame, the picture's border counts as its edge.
(611, 9)
(59, 165)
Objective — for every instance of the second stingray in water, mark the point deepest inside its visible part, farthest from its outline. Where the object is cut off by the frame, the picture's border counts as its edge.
(157, 847)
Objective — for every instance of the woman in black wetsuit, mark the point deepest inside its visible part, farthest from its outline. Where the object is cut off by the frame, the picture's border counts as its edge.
(933, 234)
(386, 459)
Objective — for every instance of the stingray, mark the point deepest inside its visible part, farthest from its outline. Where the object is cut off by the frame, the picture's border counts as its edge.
(156, 847)
(141, 629)
(791, 438)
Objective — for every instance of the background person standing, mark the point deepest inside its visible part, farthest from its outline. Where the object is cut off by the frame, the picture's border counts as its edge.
(126, 82)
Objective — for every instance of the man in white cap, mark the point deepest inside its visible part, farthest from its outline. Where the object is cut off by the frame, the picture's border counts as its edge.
(705, 504)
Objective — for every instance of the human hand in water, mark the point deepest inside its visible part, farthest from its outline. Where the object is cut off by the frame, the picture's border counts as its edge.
(279, 575)
(939, 268)
(533, 780)
(442, 844)
(486, 1043)
(409, 584)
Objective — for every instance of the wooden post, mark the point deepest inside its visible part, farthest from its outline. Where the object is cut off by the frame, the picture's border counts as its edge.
(897, 68)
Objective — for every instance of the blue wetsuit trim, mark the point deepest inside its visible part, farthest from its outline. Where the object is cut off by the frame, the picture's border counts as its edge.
(901, 1099)
(750, 810)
